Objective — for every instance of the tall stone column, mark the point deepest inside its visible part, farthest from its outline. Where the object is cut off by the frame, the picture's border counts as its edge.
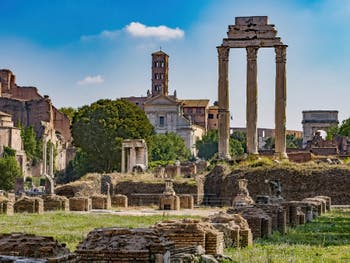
(123, 160)
(51, 160)
(280, 102)
(252, 100)
(223, 103)
(44, 156)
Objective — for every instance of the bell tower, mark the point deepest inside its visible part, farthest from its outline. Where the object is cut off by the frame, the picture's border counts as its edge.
(160, 73)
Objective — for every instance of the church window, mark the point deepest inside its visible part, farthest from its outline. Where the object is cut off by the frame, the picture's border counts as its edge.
(161, 121)
(210, 116)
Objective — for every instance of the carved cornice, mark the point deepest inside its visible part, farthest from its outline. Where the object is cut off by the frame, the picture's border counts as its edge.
(252, 52)
(281, 53)
(223, 53)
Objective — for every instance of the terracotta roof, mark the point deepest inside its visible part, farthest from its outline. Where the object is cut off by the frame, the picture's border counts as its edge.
(195, 103)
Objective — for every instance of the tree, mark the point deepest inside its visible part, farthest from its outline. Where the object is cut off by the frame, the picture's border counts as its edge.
(69, 111)
(32, 146)
(169, 146)
(9, 171)
(208, 146)
(99, 129)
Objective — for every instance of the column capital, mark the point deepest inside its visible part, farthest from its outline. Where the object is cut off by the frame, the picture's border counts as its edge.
(252, 52)
(223, 52)
(281, 53)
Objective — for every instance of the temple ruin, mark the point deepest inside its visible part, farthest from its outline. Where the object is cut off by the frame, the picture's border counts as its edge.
(134, 156)
(252, 33)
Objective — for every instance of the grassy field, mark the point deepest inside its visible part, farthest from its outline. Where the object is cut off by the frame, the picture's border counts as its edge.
(71, 228)
(326, 239)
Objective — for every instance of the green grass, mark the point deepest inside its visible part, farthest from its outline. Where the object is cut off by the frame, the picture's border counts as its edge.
(71, 228)
(326, 239)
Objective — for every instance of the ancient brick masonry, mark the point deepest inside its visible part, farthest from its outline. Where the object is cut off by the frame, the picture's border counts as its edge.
(7, 201)
(235, 228)
(27, 245)
(55, 202)
(124, 245)
(189, 232)
(101, 202)
(28, 204)
(119, 201)
(80, 204)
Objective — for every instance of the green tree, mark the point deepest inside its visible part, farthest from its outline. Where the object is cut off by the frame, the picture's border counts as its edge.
(100, 128)
(8, 151)
(293, 142)
(32, 146)
(69, 111)
(169, 146)
(9, 171)
(208, 146)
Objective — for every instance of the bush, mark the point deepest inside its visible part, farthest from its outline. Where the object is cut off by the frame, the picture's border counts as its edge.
(9, 171)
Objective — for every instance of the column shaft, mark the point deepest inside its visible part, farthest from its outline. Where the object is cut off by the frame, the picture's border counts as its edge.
(44, 155)
(252, 100)
(280, 102)
(123, 160)
(223, 103)
(51, 160)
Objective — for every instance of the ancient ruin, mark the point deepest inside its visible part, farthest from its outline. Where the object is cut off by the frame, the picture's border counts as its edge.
(169, 200)
(252, 33)
(315, 120)
(134, 156)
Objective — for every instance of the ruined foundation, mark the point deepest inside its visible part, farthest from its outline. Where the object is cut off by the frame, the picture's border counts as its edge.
(101, 202)
(80, 204)
(28, 204)
(119, 201)
(55, 202)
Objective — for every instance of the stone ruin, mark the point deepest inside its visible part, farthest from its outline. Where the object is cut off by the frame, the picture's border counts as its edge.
(26, 204)
(242, 198)
(119, 200)
(252, 33)
(272, 213)
(235, 228)
(7, 201)
(169, 200)
(33, 247)
(101, 202)
(191, 232)
(124, 245)
(55, 202)
(81, 203)
(134, 156)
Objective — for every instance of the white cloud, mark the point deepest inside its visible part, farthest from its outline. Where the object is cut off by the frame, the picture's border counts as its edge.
(105, 34)
(162, 32)
(90, 80)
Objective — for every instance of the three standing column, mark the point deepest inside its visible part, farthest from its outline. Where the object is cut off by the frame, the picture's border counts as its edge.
(223, 103)
(252, 100)
(280, 102)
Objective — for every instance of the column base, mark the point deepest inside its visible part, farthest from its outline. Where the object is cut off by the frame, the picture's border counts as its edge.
(224, 157)
(281, 156)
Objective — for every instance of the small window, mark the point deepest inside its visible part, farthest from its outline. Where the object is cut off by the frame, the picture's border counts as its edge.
(189, 111)
(217, 116)
(162, 64)
(162, 76)
(210, 116)
(161, 121)
(198, 110)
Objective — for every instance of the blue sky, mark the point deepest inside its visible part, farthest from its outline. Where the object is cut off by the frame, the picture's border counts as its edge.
(79, 51)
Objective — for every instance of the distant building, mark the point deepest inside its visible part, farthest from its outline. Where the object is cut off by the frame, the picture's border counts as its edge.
(167, 113)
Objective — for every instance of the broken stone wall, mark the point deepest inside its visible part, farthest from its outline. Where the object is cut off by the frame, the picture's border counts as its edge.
(220, 186)
(80, 204)
(28, 204)
(55, 202)
(119, 201)
(143, 194)
(101, 202)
